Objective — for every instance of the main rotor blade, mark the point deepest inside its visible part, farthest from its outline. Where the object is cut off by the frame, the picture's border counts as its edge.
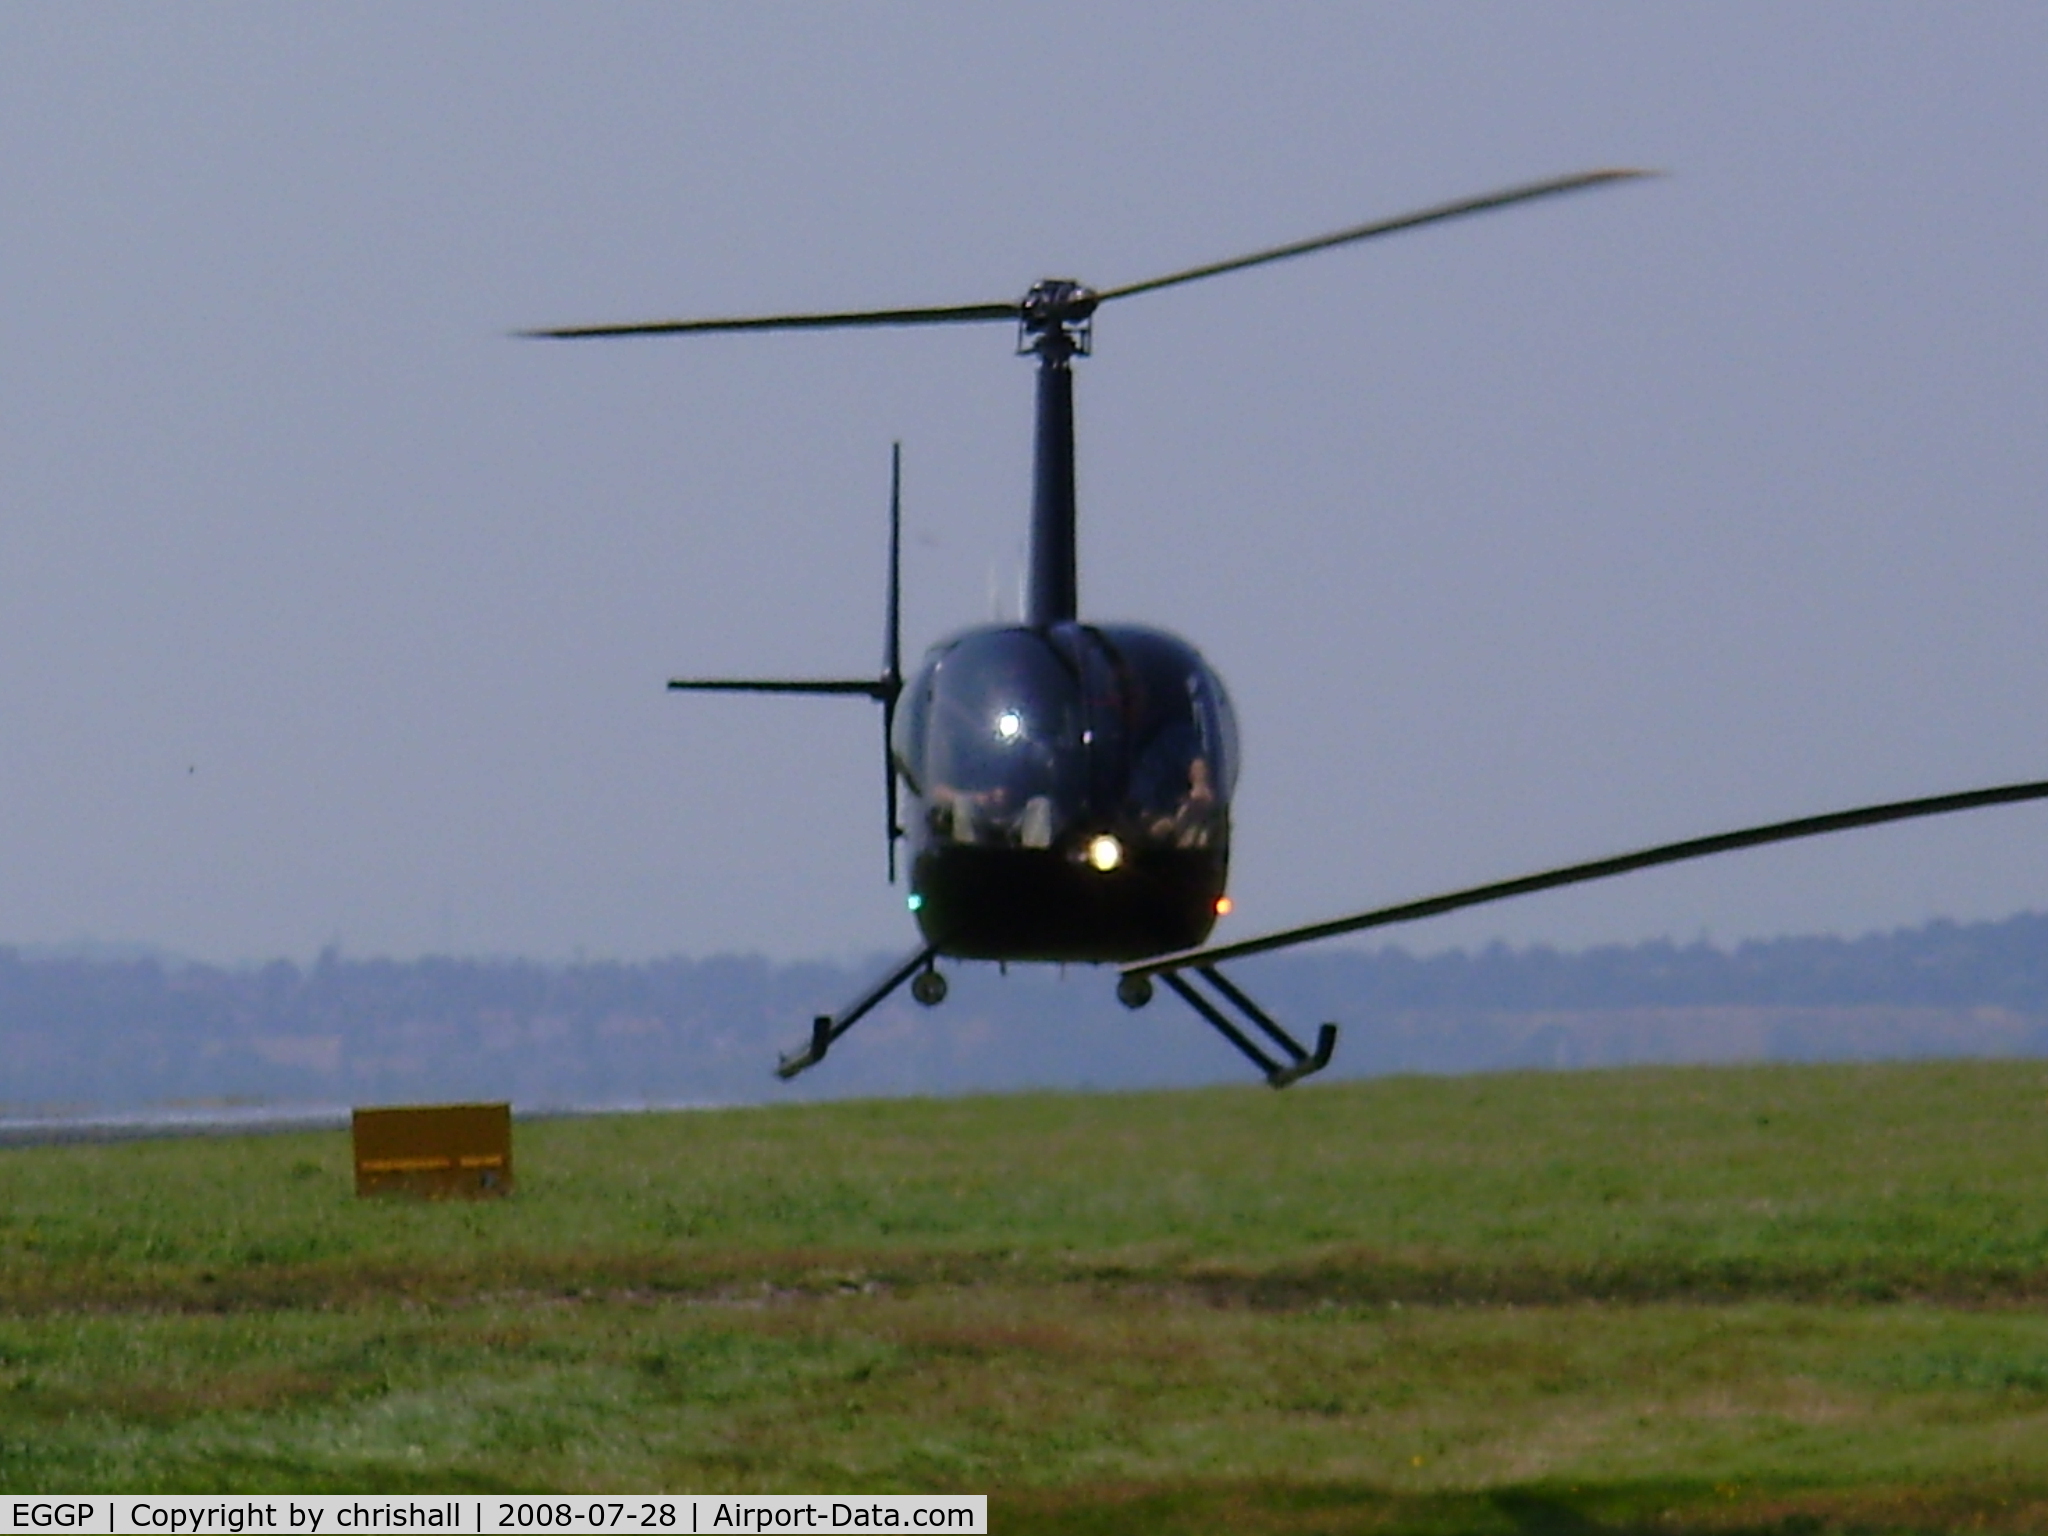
(946, 315)
(1433, 215)
(1599, 869)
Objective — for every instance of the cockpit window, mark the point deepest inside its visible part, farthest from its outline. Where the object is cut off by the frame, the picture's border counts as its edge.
(1155, 699)
(1036, 738)
(1002, 751)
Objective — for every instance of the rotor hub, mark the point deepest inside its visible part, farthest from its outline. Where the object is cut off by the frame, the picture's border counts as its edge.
(1056, 318)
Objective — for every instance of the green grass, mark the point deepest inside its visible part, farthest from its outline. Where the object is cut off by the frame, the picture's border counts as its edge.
(1760, 1299)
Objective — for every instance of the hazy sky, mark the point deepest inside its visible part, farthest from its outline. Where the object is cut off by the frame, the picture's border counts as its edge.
(330, 613)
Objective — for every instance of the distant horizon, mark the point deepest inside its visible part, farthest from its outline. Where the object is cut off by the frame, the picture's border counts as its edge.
(114, 951)
(125, 1030)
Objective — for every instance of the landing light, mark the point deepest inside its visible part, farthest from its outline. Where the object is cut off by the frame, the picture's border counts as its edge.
(1105, 852)
(1009, 725)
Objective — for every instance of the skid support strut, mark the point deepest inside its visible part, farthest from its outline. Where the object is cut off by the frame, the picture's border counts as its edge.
(827, 1027)
(1300, 1062)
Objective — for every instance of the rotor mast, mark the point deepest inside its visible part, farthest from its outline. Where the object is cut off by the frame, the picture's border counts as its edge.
(1054, 324)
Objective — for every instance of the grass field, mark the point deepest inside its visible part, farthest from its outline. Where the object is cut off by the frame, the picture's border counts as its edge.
(1732, 1300)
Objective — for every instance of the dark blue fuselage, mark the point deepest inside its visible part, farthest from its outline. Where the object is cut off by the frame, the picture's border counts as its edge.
(1069, 792)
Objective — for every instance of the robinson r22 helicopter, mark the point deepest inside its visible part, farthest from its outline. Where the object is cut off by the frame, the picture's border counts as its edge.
(1069, 783)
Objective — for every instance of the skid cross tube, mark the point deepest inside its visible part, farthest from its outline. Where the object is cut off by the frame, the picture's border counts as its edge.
(827, 1027)
(1301, 1063)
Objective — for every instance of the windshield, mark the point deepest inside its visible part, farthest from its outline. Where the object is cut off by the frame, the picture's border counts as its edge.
(995, 732)
(1017, 737)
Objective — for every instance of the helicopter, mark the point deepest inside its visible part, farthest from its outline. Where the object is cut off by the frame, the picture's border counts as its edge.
(1063, 785)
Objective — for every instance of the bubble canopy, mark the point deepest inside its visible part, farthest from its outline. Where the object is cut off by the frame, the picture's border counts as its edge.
(1110, 751)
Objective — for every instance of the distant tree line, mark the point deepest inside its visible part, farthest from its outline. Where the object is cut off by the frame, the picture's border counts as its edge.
(1944, 964)
(93, 1032)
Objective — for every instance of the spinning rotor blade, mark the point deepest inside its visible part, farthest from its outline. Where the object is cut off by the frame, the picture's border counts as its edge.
(1074, 301)
(892, 654)
(1598, 869)
(1421, 216)
(946, 315)
(884, 690)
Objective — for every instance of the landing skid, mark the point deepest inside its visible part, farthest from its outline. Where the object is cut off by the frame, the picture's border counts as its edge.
(1134, 992)
(1300, 1061)
(827, 1027)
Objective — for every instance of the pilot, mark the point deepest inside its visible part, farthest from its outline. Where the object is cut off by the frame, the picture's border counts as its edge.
(1197, 813)
(1187, 823)
(1037, 824)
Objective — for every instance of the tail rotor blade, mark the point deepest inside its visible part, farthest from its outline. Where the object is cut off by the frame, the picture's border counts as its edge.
(892, 644)
(883, 690)
(868, 687)
(889, 784)
(892, 651)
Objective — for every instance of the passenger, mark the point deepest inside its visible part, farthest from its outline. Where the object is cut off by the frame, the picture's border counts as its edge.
(969, 816)
(1035, 827)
